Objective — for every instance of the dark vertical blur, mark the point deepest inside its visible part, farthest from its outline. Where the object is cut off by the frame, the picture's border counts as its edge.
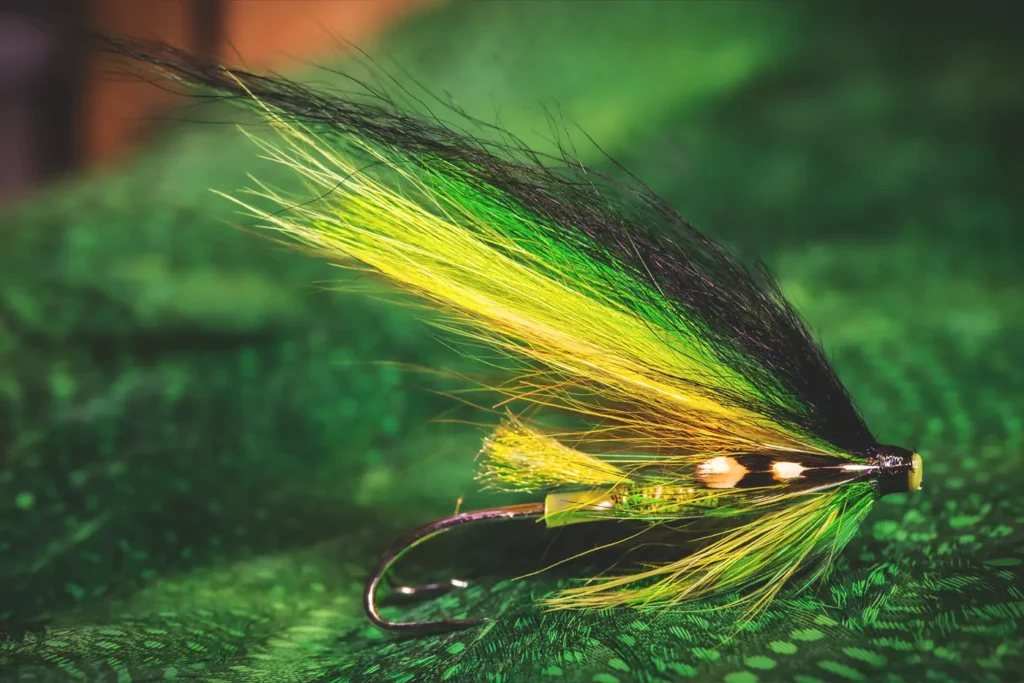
(53, 96)
(63, 108)
(39, 91)
(209, 26)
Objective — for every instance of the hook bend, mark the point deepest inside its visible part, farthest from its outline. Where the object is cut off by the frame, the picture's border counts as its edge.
(412, 539)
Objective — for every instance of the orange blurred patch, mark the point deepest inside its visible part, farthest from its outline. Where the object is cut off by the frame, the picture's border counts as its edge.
(261, 33)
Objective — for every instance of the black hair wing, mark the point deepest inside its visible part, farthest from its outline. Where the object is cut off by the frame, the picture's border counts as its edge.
(749, 324)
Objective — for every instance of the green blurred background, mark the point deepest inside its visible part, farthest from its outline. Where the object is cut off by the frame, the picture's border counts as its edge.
(205, 446)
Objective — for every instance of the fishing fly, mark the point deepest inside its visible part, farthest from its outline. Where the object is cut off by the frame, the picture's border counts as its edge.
(703, 394)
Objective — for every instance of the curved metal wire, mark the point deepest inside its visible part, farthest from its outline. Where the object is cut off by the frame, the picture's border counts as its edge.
(411, 540)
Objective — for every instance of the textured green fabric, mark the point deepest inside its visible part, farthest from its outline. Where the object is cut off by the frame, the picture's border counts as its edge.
(205, 449)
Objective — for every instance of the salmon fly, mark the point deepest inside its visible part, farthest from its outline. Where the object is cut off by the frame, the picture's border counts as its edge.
(702, 393)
